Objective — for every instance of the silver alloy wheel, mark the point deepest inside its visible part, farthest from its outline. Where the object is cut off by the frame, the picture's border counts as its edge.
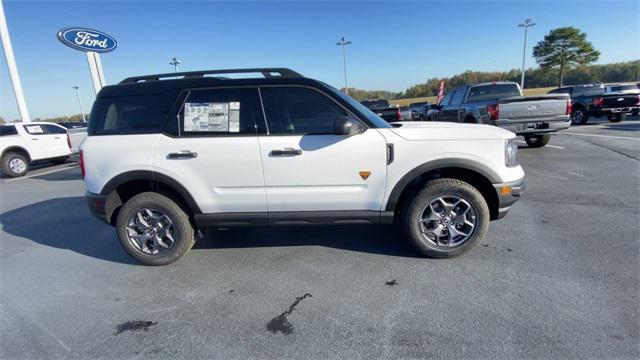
(150, 231)
(17, 165)
(448, 221)
(577, 116)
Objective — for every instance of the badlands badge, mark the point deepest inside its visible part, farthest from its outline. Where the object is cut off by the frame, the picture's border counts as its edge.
(365, 174)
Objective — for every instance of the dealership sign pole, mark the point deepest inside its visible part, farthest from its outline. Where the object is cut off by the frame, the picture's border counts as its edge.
(92, 42)
(13, 68)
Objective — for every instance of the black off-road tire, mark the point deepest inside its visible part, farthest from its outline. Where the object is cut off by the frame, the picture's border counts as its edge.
(433, 189)
(59, 160)
(579, 116)
(6, 167)
(183, 230)
(614, 118)
(536, 141)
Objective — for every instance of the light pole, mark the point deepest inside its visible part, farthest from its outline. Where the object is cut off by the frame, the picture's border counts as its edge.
(77, 88)
(175, 62)
(526, 25)
(344, 42)
(13, 68)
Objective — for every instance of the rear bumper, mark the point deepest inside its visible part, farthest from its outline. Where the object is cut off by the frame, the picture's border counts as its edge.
(506, 201)
(536, 127)
(97, 205)
(620, 110)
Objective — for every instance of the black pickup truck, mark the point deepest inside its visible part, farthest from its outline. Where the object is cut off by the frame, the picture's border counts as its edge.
(383, 109)
(502, 104)
(593, 100)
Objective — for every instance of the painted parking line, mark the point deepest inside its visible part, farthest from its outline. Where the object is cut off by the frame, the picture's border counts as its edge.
(551, 146)
(42, 173)
(602, 136)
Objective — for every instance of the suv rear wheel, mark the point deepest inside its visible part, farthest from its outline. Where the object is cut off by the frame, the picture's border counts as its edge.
(446, 218)
(536, 141)
(154, 229)
(14, 164)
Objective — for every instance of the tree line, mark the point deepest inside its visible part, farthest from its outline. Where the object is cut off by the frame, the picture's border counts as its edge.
(534, 78)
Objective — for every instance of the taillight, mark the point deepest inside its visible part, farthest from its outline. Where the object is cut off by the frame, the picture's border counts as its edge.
(599, 101)
(494, 111)
(638, 101)
(398, 115)
(68, 141)
(569, 107)
(82, 163)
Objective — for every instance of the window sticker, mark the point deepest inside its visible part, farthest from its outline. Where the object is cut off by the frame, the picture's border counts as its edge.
(34, 129)
(212, 117)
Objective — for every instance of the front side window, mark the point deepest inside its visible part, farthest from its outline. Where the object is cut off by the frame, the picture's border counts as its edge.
(224, 111)
(457, 97)
(53, 130)
(298, 110)
(445, 100)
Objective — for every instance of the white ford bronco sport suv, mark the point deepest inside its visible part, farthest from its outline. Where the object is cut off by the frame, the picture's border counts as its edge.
(24, 143)
(170, 154)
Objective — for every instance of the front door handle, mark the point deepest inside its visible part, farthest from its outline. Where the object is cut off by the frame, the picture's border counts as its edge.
(286, 152)
(182, 154)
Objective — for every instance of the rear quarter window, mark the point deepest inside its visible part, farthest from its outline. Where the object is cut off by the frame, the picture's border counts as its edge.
(140, 114)
(8, 130)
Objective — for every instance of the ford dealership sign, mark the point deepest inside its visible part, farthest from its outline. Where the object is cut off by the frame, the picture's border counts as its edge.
(87, 40)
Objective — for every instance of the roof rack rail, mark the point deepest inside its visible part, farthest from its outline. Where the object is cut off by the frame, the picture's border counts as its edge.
(266, 72)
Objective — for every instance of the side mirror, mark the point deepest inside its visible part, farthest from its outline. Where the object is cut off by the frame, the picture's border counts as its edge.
(346, 126)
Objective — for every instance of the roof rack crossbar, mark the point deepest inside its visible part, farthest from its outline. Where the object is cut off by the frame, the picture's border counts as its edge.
(266, 72)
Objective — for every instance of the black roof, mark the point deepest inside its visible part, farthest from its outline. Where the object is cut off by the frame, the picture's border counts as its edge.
(157, 83)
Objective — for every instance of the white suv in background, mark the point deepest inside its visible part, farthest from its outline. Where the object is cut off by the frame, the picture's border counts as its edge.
(23, 143)
(169, 154)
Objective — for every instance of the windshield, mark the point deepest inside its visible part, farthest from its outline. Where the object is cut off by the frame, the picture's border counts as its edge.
(493, 91)
(373, 118)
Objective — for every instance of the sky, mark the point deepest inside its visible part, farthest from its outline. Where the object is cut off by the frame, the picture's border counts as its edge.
(395, 44)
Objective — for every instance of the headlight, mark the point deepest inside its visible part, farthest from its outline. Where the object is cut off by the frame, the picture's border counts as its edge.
(510, 153)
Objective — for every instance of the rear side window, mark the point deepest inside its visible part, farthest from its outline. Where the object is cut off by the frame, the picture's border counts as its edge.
(53, 130)
(8, 130)
(141, 114)
(224, 111)
(298, 110)
(493, 91)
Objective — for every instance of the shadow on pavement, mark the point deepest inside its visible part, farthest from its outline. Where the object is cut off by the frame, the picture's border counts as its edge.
(66, 223)
(375, 239)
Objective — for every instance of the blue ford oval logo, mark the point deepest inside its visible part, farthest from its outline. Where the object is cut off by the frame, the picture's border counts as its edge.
(87, 40)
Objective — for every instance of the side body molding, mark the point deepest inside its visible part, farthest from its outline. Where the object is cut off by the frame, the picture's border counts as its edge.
(157, 179)
(461, 163)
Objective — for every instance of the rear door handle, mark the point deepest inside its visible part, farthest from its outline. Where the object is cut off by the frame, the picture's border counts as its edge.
(182, 154)
(286, 152)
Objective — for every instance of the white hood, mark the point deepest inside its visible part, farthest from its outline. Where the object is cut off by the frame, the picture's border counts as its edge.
(433, 130)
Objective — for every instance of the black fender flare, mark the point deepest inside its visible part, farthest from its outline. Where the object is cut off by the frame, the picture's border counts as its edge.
(149, 175)
(461, 163)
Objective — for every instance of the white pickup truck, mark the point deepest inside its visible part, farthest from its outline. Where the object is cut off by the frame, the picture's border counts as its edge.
(24, 143)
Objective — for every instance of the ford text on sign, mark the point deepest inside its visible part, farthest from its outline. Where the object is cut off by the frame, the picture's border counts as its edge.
(87, 40)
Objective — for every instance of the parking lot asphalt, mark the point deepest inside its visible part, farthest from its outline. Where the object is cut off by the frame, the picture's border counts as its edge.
(557, 278)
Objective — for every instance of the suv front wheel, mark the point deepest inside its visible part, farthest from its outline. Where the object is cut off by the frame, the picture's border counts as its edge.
(447, 218)
(154, 229)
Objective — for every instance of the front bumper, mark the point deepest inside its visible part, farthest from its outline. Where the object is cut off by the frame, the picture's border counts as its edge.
(507, 200)
(97, 205)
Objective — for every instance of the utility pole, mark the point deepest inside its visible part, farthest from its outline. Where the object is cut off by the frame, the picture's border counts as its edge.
(175, 62)
(13, 68)
(526, 25)
(344, 42)
(84, 120)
